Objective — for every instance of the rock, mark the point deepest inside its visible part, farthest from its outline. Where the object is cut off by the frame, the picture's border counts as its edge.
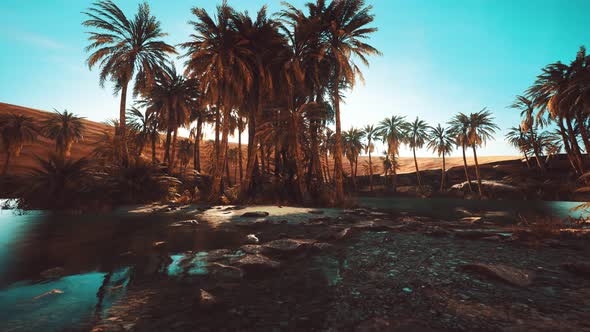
(218, 254)
(158, 243)
(255, 214)
(286, 246)
(257, 263)
(342, 234)
(252, 239)
(221, 271)
(322, 246)
(51, 292)
(315, 211)
(206, 300)
(511, 275)
(579, 268)
(252, 248)
(191, 222)
(53, 273)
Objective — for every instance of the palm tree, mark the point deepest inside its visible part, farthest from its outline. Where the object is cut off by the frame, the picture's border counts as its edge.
(15, 131)
(346, 23)
(519, 139)
(441, 142)
(481, 129)
(370, 133)
(526, 106)
(146, 128)
(185, 153)
(125, 49)
(459, 128)
(173, 98)
(393, 132)
(416, 137)
(221, 59)
(353, 145)
(65, 128)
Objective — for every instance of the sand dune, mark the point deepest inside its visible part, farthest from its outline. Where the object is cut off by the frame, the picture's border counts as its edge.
(94, 132)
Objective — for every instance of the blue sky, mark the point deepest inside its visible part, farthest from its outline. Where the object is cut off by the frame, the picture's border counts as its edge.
(439, 56)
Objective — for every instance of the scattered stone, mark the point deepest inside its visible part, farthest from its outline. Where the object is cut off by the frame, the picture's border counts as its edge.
(255, 214)
(158, 243)
(257, 263)
(511, 275)
(221, 271)
(218, 254)
(252, 249)
(322, 246)
(51, 292)
(252, 239)
(207, 300)
(285, 246)
(579, 268)
(53, 273)
(185, 223)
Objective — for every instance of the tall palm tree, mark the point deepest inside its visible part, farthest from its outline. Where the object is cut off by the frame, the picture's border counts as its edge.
(527, 109)
(146, 128)
(481, 129)
(65, 128)
(392, 132)
(346, 23)
(440, 141)
(353, 146)
(221, 59)
(519, 139)
(416, 137)
(125, 48)
(370, 133)
(459, 128)
(15, 131)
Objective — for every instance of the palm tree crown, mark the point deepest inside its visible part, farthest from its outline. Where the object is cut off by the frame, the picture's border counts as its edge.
(65, 128)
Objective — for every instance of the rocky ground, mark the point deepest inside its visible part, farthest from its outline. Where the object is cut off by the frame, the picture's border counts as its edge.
(368, 270)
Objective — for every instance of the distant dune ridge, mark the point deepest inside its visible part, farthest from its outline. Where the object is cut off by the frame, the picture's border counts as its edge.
(94, 131)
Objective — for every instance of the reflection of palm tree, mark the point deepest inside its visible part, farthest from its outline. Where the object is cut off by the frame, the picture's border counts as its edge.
(481, 129)
(15, 131)
(65, 128)
(441, 142)
(416, 137)
(125, 48)
(459, 126)
(370, 134)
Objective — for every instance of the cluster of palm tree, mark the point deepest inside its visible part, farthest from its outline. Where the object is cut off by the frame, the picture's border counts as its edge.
(464, 131)
(16, 130)
(554, 114)
(280, 77)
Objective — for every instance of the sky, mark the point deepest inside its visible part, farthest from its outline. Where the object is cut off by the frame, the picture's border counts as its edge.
(439, 57)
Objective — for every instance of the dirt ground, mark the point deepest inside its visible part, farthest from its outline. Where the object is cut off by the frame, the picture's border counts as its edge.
(373, 271)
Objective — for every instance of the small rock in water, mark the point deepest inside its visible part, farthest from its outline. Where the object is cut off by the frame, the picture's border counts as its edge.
(53, 273)
(207, 300)
(511, 275)
(252, 239)
(51, 292)
(255, 214)
(252, 248)
(221, 271)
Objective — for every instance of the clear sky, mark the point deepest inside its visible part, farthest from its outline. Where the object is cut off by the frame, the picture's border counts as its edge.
(439, 56)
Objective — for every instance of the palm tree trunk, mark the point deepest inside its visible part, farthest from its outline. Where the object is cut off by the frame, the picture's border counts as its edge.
(370, 169)
(339, 186)
(443, 171)
(226, 167)
(583, 132)
(526, 158)
(240, 158)
(153, 138)
(170, 118)
(477, 171)
(123, 123)
(6, 162)
(298, 155)
(536, 149)
(216, 189)
(197, 147)
(173, 148)
(417, 170)
(575, 146)
(465, 168)
(566, 145)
